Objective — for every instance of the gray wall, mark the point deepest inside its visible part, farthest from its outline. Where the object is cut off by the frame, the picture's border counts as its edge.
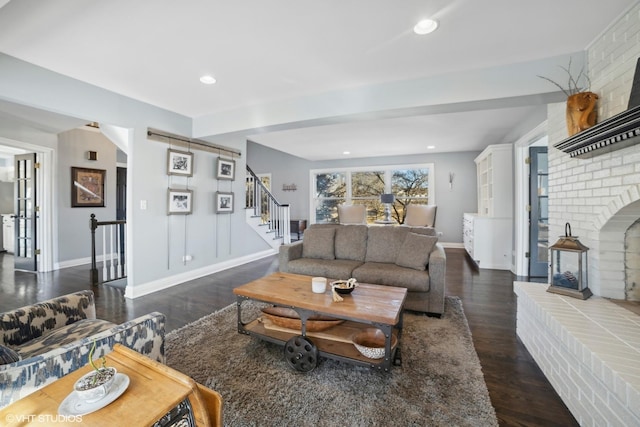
(285, 169)
(73, 225)
(156, 241)
(452, 203)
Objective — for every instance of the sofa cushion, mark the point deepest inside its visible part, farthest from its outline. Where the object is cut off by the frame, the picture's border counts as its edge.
(63, 335)
(8, 355)
(415, 251)
(384, 243)
(332, 269)
(318, 243)
(351, 242)
(390, 274)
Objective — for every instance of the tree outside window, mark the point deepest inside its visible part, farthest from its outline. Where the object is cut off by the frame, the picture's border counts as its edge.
(330, 191)
(366, 188)
(410, 184)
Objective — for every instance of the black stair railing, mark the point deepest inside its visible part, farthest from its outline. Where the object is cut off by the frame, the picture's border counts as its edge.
(272, 213)
(113, 238)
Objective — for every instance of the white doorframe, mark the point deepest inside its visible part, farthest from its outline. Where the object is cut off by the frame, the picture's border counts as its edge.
(46, 232)
(537, 136)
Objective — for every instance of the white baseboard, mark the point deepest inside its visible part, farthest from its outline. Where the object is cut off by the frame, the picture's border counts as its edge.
(452, 245)
(82, 261)
(167, 282)
(72, 263)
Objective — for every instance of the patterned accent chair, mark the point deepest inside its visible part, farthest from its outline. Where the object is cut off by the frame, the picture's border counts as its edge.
(45, 341)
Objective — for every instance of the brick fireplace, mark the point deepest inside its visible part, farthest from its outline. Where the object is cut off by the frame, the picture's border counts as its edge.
(600, 196)
(590, 350)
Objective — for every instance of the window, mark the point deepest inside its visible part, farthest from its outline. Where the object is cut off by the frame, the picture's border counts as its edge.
(409, 184)
(330, 191)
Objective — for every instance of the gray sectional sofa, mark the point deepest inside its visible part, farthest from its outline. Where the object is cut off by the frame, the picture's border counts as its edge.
(408, 257)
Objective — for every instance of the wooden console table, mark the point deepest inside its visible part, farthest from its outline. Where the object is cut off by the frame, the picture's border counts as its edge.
(154, 390)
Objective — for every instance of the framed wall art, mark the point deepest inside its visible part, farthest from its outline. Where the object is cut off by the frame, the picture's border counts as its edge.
(180, 202)
(87, 187)
(225, 169)
(179, 163)
(224, 202)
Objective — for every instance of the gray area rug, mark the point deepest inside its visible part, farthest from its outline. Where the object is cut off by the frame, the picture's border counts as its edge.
(440, 382)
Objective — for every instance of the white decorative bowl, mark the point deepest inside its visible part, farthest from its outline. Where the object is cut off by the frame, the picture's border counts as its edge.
(370, 342)
(89, 394)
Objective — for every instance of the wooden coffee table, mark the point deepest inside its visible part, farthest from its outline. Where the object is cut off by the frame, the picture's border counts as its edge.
(367, 306)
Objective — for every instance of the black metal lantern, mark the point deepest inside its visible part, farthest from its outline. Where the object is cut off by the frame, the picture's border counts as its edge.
(569, 266)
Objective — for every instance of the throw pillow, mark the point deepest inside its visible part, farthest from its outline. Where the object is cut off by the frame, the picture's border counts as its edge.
(8, 355)
(318, 243)
(415, 251)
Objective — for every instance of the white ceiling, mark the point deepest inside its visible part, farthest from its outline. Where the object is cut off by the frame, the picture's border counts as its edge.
(266, 51)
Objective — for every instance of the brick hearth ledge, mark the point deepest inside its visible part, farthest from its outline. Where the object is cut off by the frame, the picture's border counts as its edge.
(589, 350)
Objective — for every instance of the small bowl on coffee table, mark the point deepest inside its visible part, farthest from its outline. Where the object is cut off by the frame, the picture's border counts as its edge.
(343, 287)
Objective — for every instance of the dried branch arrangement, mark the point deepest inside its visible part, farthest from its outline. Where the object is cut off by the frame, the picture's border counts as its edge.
(573, 86)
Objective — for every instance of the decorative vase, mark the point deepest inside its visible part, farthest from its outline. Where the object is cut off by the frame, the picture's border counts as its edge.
(581, 112)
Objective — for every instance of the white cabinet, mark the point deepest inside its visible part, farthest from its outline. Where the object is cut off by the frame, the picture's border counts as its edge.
(495, 181)
(487, 234)
(488, 240)
(8, 238)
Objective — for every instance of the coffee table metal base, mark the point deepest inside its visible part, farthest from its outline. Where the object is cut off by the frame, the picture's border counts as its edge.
(327, 346)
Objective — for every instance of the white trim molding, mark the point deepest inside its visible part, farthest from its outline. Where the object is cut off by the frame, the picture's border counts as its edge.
(168, 282)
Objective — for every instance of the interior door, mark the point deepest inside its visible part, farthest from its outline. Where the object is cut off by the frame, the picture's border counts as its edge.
(121, 206)
(26, 209)
(538, 213)
(121, 193)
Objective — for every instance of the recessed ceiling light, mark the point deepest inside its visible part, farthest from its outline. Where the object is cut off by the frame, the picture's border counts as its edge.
(346, 153)
(425, 26)
(430, 147)
(208, 80)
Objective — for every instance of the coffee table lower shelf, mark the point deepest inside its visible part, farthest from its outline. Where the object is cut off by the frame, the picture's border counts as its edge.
(334, 343)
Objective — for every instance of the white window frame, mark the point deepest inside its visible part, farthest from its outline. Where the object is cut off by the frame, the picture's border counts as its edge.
(387, 169)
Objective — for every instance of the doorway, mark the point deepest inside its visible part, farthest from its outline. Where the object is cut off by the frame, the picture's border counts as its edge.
(537, 137)
(538, 212)
(40, 223)
(121, 206)
(25, 213)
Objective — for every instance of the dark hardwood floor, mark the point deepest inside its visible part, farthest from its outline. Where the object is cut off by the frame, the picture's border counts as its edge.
(519, 391)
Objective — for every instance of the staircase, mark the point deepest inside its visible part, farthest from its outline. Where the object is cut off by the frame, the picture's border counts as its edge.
(269, 218)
